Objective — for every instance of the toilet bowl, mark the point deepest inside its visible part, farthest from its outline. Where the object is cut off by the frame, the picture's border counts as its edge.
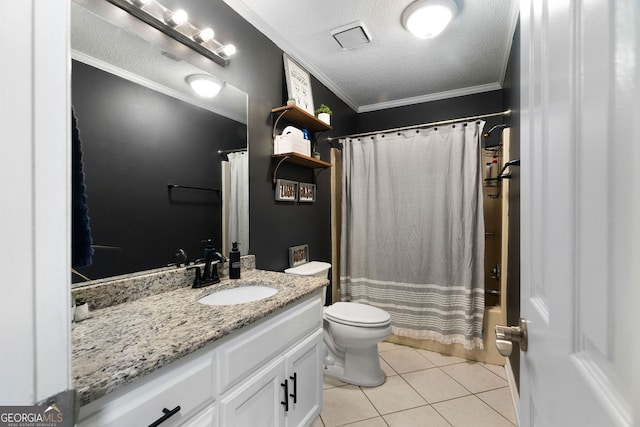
(352, 332)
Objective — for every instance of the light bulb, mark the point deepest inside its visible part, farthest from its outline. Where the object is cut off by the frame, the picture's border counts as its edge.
(204, 35)
(178, 17)
(229, 50)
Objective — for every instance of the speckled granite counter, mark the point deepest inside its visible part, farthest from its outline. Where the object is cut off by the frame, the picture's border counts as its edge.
(118, 344)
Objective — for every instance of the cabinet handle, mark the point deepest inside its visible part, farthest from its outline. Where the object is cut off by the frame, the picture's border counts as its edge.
(167, 414)
(285, 384)
(294, 378)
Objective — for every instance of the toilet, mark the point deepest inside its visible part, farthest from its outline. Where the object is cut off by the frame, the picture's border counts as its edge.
(352, 332)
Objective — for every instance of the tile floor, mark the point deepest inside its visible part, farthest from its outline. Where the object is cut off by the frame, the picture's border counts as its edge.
(423, 388)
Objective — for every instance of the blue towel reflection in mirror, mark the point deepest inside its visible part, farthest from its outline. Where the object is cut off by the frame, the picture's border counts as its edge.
(81, 241)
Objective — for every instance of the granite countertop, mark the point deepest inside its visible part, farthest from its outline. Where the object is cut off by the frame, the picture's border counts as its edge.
(119, 344)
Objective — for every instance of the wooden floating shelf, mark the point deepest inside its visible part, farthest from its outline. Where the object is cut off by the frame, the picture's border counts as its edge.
(297, 115)
(301, 159)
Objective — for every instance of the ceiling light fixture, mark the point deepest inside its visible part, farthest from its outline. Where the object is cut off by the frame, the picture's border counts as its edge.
(204, 85)
(140, 3)
(428, 18)
(175, 25)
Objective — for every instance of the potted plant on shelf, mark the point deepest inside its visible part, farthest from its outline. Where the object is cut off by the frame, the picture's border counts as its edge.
(324, 114)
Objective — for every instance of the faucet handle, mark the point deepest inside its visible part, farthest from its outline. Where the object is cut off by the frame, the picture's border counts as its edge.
(197, 280)
(181, 257)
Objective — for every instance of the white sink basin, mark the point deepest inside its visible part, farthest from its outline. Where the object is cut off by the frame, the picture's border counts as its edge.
(238, 295)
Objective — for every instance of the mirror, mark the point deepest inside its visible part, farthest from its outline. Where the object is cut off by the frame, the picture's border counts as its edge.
(157, 173)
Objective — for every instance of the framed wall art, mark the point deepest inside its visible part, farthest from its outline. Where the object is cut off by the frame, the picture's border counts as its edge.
(286, 191)
(306, 192)
(298, 84)
(298, 255)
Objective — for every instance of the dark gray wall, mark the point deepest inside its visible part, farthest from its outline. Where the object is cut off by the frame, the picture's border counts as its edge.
(258, 69)
(512, 100)
(427, 112)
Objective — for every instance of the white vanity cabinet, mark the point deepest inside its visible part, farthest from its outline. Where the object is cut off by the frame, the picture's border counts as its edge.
(303, 371)
(189, 383)
(287, 392)
(271, 375)
(266, 374)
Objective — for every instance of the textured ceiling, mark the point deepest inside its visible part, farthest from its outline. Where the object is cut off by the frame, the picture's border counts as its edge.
(396, 68)
(105, 37)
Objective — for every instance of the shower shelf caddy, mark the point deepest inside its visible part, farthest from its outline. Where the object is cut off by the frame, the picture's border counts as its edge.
(300, 117)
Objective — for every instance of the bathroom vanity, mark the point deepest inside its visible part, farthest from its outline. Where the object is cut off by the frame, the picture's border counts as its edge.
(169, 356)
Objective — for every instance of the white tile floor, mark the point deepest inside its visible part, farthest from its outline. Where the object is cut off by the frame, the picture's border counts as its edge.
(423, 388)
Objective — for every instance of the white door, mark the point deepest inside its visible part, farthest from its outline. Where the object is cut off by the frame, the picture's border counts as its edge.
(580, 190)
(34, 231)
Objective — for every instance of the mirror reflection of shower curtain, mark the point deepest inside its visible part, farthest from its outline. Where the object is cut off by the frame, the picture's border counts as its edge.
(412, 240)
(239, 200)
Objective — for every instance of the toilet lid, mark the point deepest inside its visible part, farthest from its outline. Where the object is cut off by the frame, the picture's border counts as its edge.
(355, 314)
(309, 269)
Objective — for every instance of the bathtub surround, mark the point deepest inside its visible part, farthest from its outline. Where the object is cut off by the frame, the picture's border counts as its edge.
(414, 244)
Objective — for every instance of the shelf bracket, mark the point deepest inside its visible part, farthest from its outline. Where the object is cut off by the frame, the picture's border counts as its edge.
(275, 171)
(275, 124)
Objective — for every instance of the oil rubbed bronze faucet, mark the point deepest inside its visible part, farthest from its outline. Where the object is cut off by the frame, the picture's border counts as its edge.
(211, 259)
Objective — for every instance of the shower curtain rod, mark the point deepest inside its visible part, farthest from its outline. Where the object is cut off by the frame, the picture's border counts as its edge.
(235, 150)
(443, 122)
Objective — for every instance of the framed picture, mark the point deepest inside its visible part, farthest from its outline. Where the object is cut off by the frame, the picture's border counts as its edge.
(306, 192)
(298, 255)
(298, 84)
(286, 191)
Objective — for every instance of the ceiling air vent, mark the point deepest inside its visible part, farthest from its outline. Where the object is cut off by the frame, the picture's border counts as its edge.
(351, 35)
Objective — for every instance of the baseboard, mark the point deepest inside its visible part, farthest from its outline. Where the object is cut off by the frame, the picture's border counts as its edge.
(513, 388)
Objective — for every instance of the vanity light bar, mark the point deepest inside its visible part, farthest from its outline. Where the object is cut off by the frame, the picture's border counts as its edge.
(175, 25)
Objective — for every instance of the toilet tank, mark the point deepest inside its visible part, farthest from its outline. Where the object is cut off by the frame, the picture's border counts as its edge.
(312, 268)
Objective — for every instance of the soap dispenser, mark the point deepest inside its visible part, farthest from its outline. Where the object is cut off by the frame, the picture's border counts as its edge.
(234, 261)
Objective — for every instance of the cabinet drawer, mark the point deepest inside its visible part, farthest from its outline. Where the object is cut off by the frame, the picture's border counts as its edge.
(188, 383)
(260, 344)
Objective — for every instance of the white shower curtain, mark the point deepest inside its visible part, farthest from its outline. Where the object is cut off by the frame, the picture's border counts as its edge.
(413, 230)
(239, 200)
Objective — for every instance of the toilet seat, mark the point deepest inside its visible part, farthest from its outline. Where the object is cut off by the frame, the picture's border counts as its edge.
(355, 314)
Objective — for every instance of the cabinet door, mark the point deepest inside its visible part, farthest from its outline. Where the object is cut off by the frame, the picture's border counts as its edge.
(206, 418)
(256, 402)
(304, 372)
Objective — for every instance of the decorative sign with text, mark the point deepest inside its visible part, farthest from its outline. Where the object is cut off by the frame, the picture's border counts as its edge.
(298, 84)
